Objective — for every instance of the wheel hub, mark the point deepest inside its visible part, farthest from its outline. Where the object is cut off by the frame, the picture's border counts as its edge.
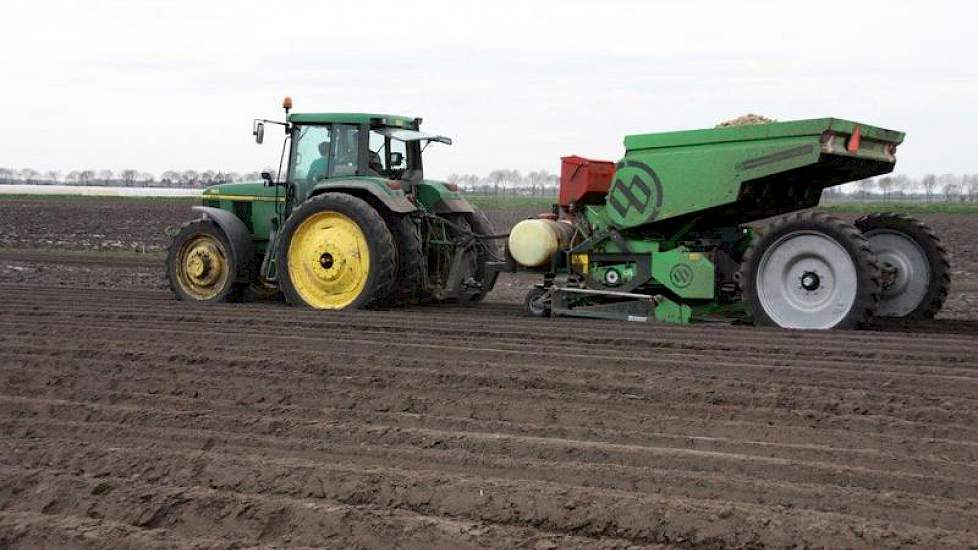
(329, 263)
(889, 275)
(810, 281)
(202, 266)
(326, 260)
(906, 272)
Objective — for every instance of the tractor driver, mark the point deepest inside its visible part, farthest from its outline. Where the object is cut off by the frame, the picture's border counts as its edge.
(375, 163)
(318, 167)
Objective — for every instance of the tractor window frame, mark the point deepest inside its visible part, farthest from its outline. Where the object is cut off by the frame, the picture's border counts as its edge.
(295, 140)
(388, 146)
(360, 155)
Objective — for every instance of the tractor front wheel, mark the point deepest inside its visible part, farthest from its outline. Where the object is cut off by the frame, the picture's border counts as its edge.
(811, 271)
(199, 264)
(336, 253)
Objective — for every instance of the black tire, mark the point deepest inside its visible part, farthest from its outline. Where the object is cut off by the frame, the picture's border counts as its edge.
(409, 279)
(481, 225)
(224, 290)
(867, 273)
(380, 245)
(532, 305)
(940, 267)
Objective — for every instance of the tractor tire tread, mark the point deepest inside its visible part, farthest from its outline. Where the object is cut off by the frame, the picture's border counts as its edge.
(480, 224)
(409, 279)
(935, 250)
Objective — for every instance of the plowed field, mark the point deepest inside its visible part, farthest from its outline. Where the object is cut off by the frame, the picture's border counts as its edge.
(131, 420)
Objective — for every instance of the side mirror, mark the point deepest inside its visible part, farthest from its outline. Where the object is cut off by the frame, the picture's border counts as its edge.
(259, 132)
(396, 159)
(267, 176)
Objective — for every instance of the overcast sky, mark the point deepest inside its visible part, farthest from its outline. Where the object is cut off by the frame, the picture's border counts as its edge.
(158, 85)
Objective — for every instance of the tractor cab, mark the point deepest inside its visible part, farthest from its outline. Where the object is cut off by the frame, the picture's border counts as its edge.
(330, 147)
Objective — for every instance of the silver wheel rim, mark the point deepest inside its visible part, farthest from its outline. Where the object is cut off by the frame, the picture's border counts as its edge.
(536, 304)
(807, 280)
(906, 271)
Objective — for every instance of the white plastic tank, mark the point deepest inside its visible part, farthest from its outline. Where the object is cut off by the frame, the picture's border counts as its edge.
(533, 242)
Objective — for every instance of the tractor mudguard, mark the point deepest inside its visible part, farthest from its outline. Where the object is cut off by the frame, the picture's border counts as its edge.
(395, 203)
(453, 206)
(242, 245)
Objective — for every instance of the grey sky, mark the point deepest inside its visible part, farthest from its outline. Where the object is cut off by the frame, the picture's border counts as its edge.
(156, 85)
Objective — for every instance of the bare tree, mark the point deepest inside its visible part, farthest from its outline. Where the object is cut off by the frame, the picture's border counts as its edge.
(170, 178)
(973, 187)
(85, 176)
(190, 178)
(950, 189)
(865, 186)
(886, 185)
(226, 177)
(496, 178)
(902, 184)
(929, 183)
(29, 175)
(52, 176)
(129, 176)
(7, 174)
(106, 175)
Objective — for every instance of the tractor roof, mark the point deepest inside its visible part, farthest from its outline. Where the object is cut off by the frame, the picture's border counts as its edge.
(352, 118)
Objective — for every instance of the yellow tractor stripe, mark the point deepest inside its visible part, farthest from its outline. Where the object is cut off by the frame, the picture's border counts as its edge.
(242, 198)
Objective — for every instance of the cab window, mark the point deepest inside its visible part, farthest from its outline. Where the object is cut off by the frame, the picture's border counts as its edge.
(310, 154)
(387, 157)
(346, 146)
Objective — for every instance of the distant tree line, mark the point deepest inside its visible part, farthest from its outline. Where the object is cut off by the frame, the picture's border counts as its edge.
(125, 178)
(508, 182)
(944, 187)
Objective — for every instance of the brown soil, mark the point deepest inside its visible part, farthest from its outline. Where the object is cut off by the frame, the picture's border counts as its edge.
(131, 420)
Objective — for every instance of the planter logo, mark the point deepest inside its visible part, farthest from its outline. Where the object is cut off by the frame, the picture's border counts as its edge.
(681, 276)
(636, 195)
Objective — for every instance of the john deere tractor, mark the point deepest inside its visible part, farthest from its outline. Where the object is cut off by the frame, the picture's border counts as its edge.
(350, 223)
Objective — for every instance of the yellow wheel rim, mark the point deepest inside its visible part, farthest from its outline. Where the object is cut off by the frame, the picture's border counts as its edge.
(202, 267)
(328, 260)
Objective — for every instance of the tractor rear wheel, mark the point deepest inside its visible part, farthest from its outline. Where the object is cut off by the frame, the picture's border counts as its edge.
(811, 271)
(409, 279)
(480, 225)
(916, 273)
(336, 253)
(199, 264)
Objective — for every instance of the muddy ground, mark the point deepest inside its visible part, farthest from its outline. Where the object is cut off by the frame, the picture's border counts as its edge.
(131, 420)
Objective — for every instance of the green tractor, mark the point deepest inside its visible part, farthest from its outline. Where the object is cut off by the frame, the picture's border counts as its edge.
(674, 232)
(352, 224)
